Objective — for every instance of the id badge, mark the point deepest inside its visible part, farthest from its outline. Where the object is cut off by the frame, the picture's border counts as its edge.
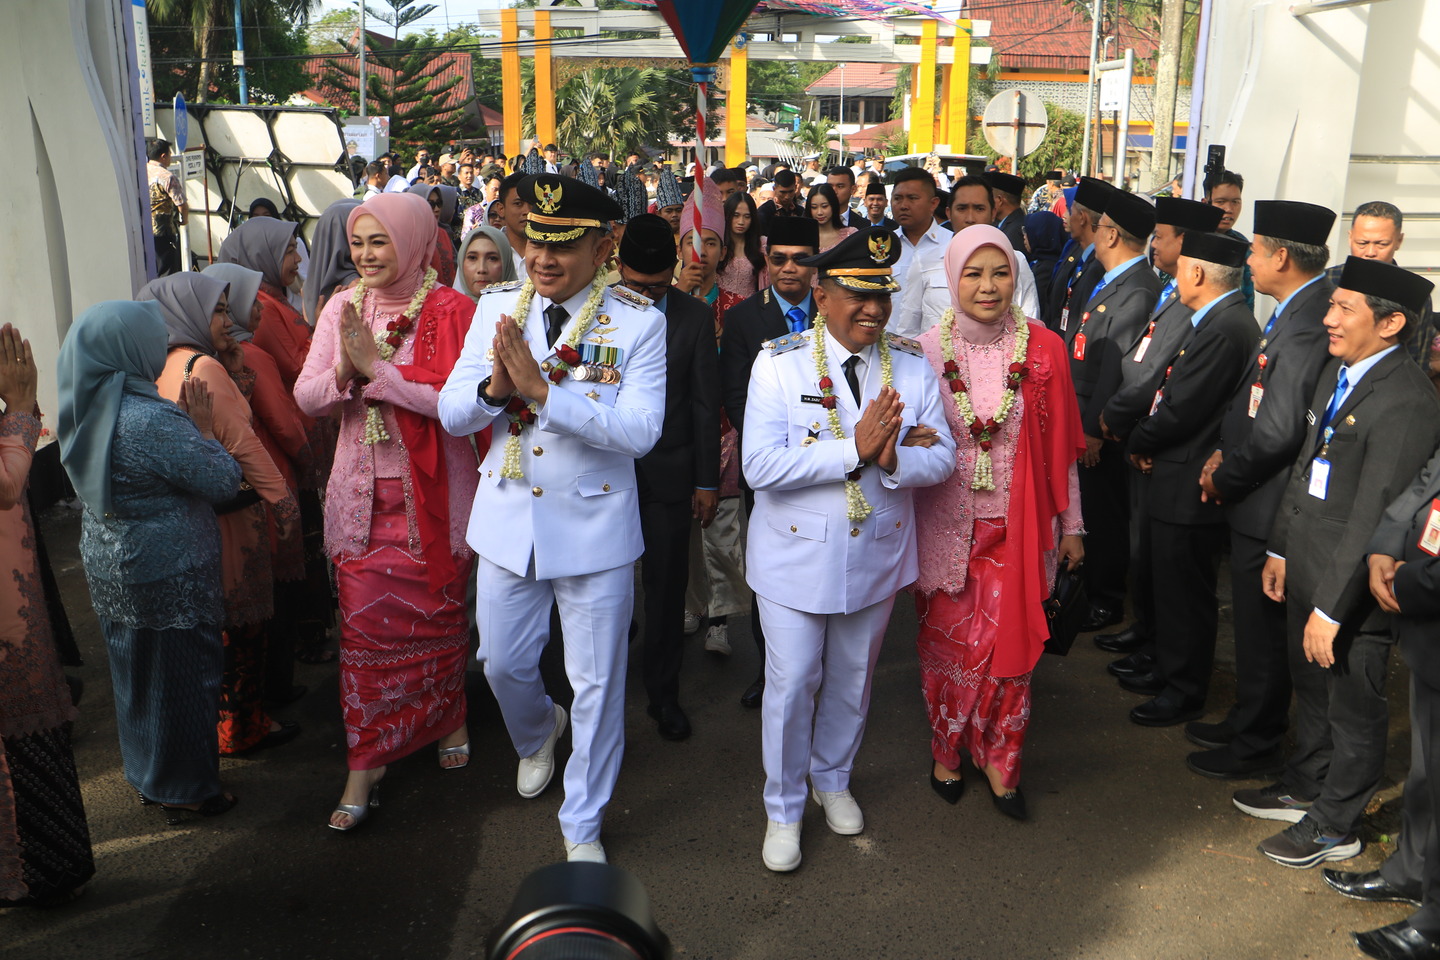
(1144, 346)
(1064, 319)
(1155, 404)
(1079, 352)
(1257, 393)
(1430, 536)
(1319, 478)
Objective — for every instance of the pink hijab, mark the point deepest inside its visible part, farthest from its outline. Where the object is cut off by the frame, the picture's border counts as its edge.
(962, 247)
(410, 225)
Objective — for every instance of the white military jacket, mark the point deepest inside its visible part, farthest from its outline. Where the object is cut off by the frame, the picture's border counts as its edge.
(803, 551)
(577, 510)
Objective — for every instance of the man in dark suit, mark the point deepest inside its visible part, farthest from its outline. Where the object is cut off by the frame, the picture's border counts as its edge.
(1260, 437)
(875, 203)
(785, 306)
(1405, 581)
(1172, 444)
(1373, 422)
(1140, 376)
(842, 180)
(1009, 214)
(679, 478)
(1101, 329)
(784, 202)
(1076, 275)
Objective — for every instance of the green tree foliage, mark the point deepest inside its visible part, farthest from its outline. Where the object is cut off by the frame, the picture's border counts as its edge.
(1064, 139)
(416, 101)
(402, 13)
(815, 135)
(616, 111)
(769, 83)
(1144, 17)
(190, 38)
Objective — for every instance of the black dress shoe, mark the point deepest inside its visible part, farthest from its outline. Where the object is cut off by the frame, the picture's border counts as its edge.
(1222, 764)
(754, 693)
(948, 790)
(1134, 665)
(1371, 887)
(1149, 684)
(1100, 618)
(673, 723)
(288, 731)
(1126, 641)
(1398, 941)
(1160, 713)
(1011, 804)
(1211, 736)
(288, 697)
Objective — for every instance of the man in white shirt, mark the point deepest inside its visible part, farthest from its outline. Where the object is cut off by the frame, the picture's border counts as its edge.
(920, 270)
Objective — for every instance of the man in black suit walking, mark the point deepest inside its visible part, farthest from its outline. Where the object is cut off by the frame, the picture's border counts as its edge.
(1076, 275)
(786, 306)
(1102, 328)
(1172, 444)
(1259, 440)
(1009, 214)
(1141, 374)
(679, 478)
(1373, 422)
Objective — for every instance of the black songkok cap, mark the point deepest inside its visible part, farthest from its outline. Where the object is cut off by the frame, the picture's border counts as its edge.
(648, 245)
(1188, 214)
(1093, 193)
(794, 232)
(1376, 278)
(1292, 220)
(1054, 175)
(861, 262)
(1131, 213)
(562, 208)
(874, 187)
(1007, 183)
(1215, 248)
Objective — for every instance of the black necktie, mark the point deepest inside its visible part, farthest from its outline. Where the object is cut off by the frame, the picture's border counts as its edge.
(851, 379)
(555, 317)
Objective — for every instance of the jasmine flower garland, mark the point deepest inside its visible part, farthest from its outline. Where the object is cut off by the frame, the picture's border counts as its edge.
(387, 342)
(982, 432)
(857, 508)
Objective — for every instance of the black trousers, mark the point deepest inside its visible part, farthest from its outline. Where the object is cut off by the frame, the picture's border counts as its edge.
(1341, 720)
(1187, 612)
(1105, 504)
(167, 254)
(1405, 868)
(1260, 715)
(1142, 597)
(664, 574)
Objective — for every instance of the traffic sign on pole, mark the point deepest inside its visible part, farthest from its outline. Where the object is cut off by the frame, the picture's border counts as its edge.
(182, 125)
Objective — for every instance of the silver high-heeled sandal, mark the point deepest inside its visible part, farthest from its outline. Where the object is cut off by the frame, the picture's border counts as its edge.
(357, 812)
(461, 751)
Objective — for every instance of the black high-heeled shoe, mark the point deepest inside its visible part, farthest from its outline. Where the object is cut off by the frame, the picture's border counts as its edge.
(948, 790)
(209, 807)
(1011, 804)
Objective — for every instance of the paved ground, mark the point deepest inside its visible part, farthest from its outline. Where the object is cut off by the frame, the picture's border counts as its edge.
(1128, 855)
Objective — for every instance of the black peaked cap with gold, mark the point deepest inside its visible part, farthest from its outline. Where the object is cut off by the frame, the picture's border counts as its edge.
(861, 262)
(563, 208)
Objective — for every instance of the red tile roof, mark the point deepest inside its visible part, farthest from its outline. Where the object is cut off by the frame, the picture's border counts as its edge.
(451, 64)
(860, 80)
(1046, 34)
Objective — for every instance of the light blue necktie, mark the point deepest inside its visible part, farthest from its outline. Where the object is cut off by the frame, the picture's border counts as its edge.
(1271, 326)
(1096, 292)
(1335, 400)
(796, 316)
(1165, 292)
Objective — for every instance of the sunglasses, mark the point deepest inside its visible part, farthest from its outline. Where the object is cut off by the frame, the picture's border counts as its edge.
(780, 259)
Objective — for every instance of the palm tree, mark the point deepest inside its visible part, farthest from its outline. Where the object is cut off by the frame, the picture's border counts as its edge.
(813, 135)
(611, 110)
(205, 16)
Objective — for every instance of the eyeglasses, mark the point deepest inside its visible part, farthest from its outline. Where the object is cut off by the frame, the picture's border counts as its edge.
(780, 259)
(652, 290)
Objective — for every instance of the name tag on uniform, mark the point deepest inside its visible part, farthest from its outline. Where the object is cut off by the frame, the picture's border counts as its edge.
(1064, 319)
(1430, 536)
(1144, 346)
(1319, 478)
(809, 398)
(1257, 393)
(1079, 352)
(1155, 404)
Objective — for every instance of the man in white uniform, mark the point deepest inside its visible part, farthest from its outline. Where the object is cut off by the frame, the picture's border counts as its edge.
(840, 425)
(572, 376)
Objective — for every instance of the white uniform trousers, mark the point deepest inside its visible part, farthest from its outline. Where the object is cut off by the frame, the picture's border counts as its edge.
(513, 614)
(805, 653)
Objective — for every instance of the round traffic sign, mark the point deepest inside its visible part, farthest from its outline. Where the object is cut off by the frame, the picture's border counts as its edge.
(1015, 123)
(182, 124)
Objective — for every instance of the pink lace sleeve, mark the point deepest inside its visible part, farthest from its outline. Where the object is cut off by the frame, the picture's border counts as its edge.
(1071, 523)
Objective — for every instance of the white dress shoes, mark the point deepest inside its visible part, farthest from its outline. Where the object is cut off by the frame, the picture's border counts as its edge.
(585, 852)
(842, 813)
(781, 852)
(537, 769)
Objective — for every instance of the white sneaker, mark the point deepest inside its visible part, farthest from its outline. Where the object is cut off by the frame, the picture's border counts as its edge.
(692, 623)
(781, 851)
(536, 770)
(842, 813)
(585, 852)
(717, 639)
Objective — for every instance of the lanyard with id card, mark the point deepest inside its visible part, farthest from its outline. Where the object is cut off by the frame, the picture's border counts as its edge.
(1430, 536)
(1320, 469)
(1145, 343)
(1257, 390)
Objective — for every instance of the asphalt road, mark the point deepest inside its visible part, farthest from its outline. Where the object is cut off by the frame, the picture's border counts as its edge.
(1127, 855)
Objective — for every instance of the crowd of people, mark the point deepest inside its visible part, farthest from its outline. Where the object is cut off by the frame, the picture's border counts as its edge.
(530, 374)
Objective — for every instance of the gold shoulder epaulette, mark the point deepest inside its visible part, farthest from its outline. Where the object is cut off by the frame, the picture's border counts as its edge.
(502, 287)
(905, 344)
(787, 343)
(629, 296)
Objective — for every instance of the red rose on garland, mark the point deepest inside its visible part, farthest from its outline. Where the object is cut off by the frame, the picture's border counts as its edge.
(826, 383)
(951, 367)
(557, 375)
(828, 403)
(957, 385)
(567, 355)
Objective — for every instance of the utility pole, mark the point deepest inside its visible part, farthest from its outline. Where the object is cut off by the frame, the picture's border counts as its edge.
(239, 56)
(361, 5)
(1167, 80)
(1097, 10)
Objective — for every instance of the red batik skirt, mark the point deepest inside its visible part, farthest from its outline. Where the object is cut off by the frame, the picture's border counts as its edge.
(968, 708)
(402, 646)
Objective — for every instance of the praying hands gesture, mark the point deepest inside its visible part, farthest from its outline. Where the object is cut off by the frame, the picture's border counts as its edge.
(878, 430)
(18, 376)
(515, 369)
(358, 352)
(195, 400)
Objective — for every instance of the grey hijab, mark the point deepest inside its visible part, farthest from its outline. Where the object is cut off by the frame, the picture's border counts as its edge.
(260, 245)
(187, 300)
(244, 287)
(507, 255)
(330, 263)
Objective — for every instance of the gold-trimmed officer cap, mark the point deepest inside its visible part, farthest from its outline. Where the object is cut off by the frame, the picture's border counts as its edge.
(563, 208)
(861, 262)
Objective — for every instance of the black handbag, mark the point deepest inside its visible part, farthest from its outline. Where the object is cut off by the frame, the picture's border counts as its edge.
(247, 496)
(1065, 609)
